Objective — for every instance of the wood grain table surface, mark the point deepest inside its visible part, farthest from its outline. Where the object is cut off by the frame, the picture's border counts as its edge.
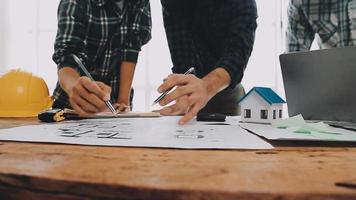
(53, 171)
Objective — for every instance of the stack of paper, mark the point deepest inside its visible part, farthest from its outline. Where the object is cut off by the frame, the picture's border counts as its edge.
(296, 128)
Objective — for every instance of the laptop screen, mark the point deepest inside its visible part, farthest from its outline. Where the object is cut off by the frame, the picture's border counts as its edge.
(321, 85)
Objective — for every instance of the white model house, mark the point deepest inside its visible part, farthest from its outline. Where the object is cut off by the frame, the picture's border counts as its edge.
(261, 105)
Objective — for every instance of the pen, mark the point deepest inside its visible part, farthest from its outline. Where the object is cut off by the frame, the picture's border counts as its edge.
(190, 70)
(77, 60)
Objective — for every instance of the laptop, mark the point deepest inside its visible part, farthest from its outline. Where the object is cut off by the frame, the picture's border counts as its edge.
(321, 85)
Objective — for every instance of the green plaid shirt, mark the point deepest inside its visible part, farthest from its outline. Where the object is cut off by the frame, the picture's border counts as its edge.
(333, 21)
(102, 35)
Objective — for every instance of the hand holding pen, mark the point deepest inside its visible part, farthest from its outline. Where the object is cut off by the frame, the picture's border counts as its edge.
(190, 94)
(190, 71)
(90, 96)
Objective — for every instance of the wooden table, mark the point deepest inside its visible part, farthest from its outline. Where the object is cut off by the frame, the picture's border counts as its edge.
(47, 171)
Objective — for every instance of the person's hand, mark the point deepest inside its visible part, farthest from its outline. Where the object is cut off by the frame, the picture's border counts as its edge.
(123, 101)
(122, 107)
(190, 96)
(88, 97)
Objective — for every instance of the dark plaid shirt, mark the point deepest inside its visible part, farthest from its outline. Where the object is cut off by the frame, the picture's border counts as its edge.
(334, 21)
(102, 35)
(208, 34)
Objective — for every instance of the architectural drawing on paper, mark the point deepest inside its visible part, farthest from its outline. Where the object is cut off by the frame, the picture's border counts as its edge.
(189, 134)
(119, 130)
(137, 132)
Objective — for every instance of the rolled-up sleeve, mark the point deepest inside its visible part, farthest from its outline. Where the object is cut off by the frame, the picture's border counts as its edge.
(139, 30)
(241, 37)
(71, 33)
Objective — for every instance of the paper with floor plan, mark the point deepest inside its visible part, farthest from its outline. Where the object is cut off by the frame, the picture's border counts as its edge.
(161, 132)
(296, 128)
(118, 115)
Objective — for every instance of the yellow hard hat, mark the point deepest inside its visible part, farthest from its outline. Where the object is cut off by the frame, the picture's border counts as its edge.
(23, 94)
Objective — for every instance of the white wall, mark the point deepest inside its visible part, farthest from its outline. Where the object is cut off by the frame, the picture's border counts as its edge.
(3, 34)
(30, 28)
(263, 68)
(27, 43)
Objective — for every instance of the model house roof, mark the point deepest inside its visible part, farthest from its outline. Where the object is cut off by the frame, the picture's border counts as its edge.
(267, 94)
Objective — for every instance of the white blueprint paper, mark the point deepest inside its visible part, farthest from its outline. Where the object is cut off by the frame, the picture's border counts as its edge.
(291, 133)
(161, 132)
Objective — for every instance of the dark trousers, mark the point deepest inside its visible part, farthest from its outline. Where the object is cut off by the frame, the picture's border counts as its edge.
(225, 102)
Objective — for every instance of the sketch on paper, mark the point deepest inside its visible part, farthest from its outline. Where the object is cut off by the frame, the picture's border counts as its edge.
(161, 132)
(190, 134)
(97, 130)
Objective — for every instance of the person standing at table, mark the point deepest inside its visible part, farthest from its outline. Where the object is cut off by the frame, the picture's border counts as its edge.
(107, 36)
(331, 22)
(216, 37)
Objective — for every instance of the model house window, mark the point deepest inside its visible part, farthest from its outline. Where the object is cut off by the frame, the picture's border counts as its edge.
(280, 113)
(264, 114)
(247, 113)
(274, 114)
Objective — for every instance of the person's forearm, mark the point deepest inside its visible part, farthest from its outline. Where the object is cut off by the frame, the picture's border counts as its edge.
(216, 81)
(127, 72)
(67, 77)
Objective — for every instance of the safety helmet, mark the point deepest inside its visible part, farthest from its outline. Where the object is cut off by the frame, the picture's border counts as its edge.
(23, 94)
